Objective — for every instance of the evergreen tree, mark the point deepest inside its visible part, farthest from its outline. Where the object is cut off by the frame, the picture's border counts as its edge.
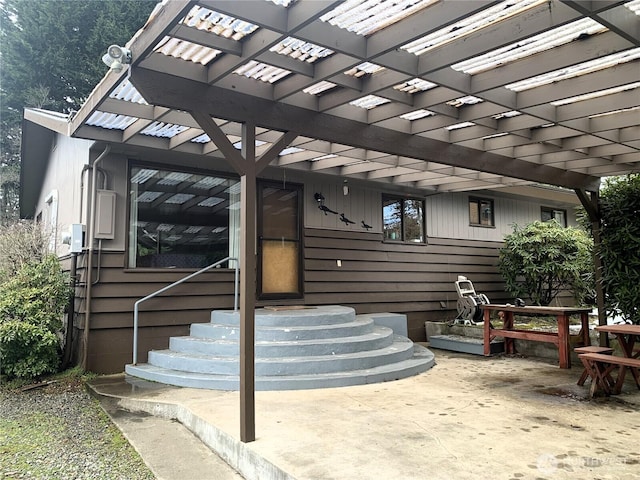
(51, 58)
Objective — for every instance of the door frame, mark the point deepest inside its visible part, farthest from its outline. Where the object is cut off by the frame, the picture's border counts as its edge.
(261, 185)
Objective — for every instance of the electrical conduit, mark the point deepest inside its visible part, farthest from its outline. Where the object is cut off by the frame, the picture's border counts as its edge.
(90, 248)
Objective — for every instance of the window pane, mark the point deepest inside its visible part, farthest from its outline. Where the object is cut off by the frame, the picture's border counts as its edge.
(279, 266)
(179, 219)
(474, 213)
(392, 218)
(547, 213)
(280, 213)
(481, 212)
(486, 212)
(413, 221)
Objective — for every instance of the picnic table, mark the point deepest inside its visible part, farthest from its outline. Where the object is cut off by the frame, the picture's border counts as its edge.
(600, 367)
(561, 338)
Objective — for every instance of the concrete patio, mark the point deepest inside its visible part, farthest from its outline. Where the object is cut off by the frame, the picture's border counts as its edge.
(467, 417)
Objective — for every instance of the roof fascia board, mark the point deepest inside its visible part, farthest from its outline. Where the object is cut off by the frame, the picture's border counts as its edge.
(166, 90)
(59, 125)
(35, 150)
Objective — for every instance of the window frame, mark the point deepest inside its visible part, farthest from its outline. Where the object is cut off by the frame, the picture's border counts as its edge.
(169, 167)
(479, 201)
(552, 210)
(403, 240)
(299, 188)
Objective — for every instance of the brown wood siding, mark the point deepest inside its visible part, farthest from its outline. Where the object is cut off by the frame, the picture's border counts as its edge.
(378, 276)
(375, 276)
(113, 299)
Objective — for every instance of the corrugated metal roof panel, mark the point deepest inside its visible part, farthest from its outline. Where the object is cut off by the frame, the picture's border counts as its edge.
(468, 100)
(184, 50)
(127, 92)
(634, 6)
(262, 71)
(164, 130)
(369, 102)
(415, 85)
(366, 17)
(218, 23)
(470, 24)
(417, 114)
(319, 87)
(600, 93)
(366, 68)
(530, 46)
(110, 121)
(576, 70)
(301, 50)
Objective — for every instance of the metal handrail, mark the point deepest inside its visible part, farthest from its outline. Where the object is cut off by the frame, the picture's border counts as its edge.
(164, 289)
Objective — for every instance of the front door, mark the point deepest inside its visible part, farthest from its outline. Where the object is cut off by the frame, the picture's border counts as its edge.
(279, 245)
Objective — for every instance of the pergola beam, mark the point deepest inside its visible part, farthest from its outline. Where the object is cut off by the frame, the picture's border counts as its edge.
(163, 89)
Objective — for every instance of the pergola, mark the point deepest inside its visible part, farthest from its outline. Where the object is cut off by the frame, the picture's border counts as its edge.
(433, 95)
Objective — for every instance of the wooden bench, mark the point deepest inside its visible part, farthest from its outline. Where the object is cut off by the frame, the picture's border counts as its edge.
(590, 349)
(600, 366)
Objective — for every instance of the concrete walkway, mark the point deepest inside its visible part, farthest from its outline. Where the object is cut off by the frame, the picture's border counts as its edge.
(467, 417)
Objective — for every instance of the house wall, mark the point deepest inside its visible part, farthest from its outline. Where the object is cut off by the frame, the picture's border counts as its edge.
(59, 202)
(373, 275)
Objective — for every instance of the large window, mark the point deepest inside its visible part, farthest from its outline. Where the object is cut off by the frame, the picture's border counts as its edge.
(181, 219)
(481, 212)
(403, 219)
(548, 213)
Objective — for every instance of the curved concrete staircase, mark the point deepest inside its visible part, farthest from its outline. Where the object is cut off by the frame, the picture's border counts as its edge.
(318, 347)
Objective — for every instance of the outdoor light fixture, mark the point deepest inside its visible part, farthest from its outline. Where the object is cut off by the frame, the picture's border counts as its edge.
(116, 57)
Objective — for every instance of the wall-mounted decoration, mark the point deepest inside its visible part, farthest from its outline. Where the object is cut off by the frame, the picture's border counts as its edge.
(345, 219)
(320, 199)
(367, 227)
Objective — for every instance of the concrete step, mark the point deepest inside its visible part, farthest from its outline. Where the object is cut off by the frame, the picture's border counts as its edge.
(400, 349)
(325, 315)
(293, 349)
(459, 343)
(359, 326)
(378, 337)
(420, 361)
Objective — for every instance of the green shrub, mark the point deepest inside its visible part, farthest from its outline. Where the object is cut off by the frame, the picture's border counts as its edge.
(27, 351)
(620, 246)
(542, 259)
(31, 307)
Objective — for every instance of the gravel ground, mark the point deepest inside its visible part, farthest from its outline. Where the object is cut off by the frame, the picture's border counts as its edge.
(61, 432)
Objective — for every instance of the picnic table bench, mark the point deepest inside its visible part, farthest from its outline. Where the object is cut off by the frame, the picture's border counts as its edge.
(561, 338)
(600, 366)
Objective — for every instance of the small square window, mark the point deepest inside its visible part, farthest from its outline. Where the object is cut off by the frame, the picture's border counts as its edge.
(403, 219)
(481, 212)
(548, 213)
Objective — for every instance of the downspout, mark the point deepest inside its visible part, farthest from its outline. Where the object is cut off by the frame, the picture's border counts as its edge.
(90, 242)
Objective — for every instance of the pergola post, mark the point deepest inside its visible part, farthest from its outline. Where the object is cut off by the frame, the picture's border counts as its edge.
(591, 205)
(248, 285)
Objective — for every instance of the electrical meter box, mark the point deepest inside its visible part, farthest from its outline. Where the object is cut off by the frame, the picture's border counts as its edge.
(77, 238)
(105, 220)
